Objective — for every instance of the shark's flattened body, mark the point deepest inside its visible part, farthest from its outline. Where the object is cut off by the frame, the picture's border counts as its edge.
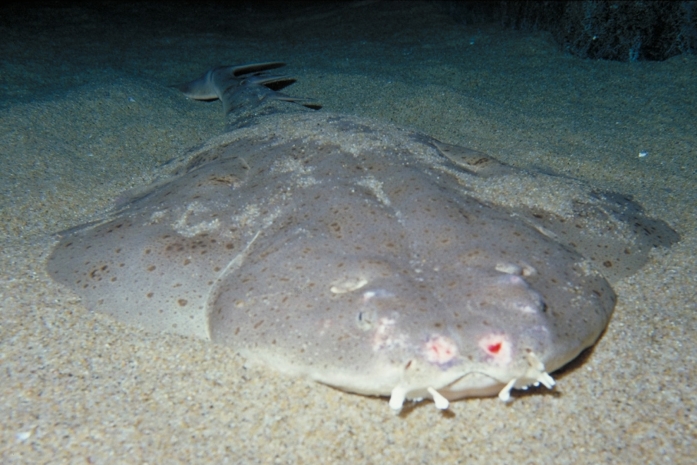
(364, 256)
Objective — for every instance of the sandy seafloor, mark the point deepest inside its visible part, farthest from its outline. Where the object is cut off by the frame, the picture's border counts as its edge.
(85, 114)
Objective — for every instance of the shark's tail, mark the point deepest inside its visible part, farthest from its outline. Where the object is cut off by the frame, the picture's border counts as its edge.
(244, 86)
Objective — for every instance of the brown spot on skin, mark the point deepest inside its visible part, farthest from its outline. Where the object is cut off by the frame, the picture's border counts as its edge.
(182, 302)
(149, 295)
(259, 323)
(174, 248)
(607, 264)
(151, 268)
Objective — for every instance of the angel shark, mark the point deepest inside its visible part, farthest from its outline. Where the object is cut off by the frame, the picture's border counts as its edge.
(365, 256)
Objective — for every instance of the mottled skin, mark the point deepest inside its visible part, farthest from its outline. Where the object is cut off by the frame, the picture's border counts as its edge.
(358, 254)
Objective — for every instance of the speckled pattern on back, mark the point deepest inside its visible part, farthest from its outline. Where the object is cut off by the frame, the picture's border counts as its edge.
(366, 257)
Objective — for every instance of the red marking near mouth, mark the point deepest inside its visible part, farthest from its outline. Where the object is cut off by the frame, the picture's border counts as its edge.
(440, 350)
(497, 347)
(494, 348)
